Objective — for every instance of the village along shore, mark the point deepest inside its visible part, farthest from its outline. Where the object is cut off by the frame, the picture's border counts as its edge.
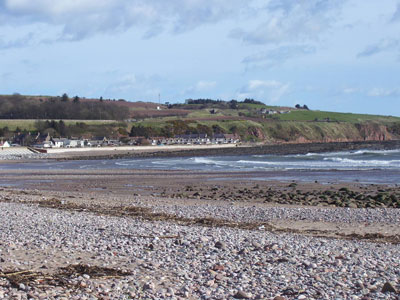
(22, 154)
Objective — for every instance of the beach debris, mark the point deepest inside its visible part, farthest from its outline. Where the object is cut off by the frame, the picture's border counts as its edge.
(62, 277)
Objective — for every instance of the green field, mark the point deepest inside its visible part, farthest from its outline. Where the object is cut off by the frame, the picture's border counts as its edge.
(312, 115)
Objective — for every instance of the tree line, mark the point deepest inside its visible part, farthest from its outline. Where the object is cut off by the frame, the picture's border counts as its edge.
(211, 103)
(20, 107)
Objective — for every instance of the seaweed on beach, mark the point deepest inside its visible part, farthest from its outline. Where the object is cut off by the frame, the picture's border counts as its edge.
(63, 276)
(92, 271)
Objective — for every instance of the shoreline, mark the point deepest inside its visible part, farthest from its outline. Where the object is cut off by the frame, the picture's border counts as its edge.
(226, 150)
(65, 154)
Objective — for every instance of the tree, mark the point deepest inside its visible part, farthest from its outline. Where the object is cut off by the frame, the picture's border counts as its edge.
(40, 125)
(62, 128)
(233, 104)
(64, 97)
(217, 129)
(141, 131)
(76, 99)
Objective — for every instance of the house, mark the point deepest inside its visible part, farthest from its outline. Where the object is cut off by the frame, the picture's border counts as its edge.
(156, 141)
(74, 143)
(4, 144)
(265, 111)
(44, 144)
(97, 142)
(225, 139)
(59, 142)
(131, 140)
(200, 138)
(23, 139)
(42, 138)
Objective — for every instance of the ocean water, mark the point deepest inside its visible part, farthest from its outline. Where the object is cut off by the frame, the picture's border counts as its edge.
(362, 165)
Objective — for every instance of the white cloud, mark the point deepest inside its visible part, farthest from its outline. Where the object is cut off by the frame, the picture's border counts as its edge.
(23, 41)
(132, 86)
(383, 45)
(200, 86)
(268, 91)
(396, 15)
(350, 90)
(79, 19)
(205, 85)
(276, 56)
(302, 20)
(384, 93)
(256, 84)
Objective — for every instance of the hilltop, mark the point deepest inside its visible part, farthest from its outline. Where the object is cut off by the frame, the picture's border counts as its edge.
(249, 120)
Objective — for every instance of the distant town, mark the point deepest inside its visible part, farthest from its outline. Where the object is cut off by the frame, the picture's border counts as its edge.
(46, 141)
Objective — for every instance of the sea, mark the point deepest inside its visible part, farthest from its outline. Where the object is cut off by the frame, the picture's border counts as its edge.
(365, 166)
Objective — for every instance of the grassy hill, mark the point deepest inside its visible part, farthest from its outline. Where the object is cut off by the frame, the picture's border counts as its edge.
(251, 120)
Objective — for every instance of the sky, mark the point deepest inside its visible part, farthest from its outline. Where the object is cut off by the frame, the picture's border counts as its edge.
(333, 55)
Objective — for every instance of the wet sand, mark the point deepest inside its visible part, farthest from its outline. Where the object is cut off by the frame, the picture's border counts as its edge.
(103, 189)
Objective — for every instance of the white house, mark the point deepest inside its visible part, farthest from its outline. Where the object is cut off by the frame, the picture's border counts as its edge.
(44, 144)
(5, 144)
(58, 143)
(74, 143)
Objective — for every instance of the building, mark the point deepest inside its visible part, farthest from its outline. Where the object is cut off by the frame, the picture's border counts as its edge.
(4, 144)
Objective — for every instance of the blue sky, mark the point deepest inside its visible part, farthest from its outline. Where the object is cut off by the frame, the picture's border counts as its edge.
(335, 55)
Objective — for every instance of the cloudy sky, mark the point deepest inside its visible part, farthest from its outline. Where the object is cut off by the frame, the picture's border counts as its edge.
(335, 55)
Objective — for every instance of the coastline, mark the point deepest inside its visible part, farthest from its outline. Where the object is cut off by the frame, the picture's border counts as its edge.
(221, 150)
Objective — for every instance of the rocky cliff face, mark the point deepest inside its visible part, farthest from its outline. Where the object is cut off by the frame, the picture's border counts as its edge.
(324, 132)
(374, 132)
(256, 132)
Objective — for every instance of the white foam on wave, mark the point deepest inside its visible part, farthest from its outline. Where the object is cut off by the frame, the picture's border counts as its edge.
(256, 162)
(127, 162)
(165, 162)
(350, 162)
(203, 160)
(84, 167)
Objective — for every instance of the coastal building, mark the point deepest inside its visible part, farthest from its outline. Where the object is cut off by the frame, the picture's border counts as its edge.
(74, 143)
(44, 144)
(97, 142)
(5, 144)
(59, 142)
(192, 139)
(225, 139)
(203, 139)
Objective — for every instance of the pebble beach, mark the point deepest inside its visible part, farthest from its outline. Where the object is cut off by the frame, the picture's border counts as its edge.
(156, 259)
(123, 234)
